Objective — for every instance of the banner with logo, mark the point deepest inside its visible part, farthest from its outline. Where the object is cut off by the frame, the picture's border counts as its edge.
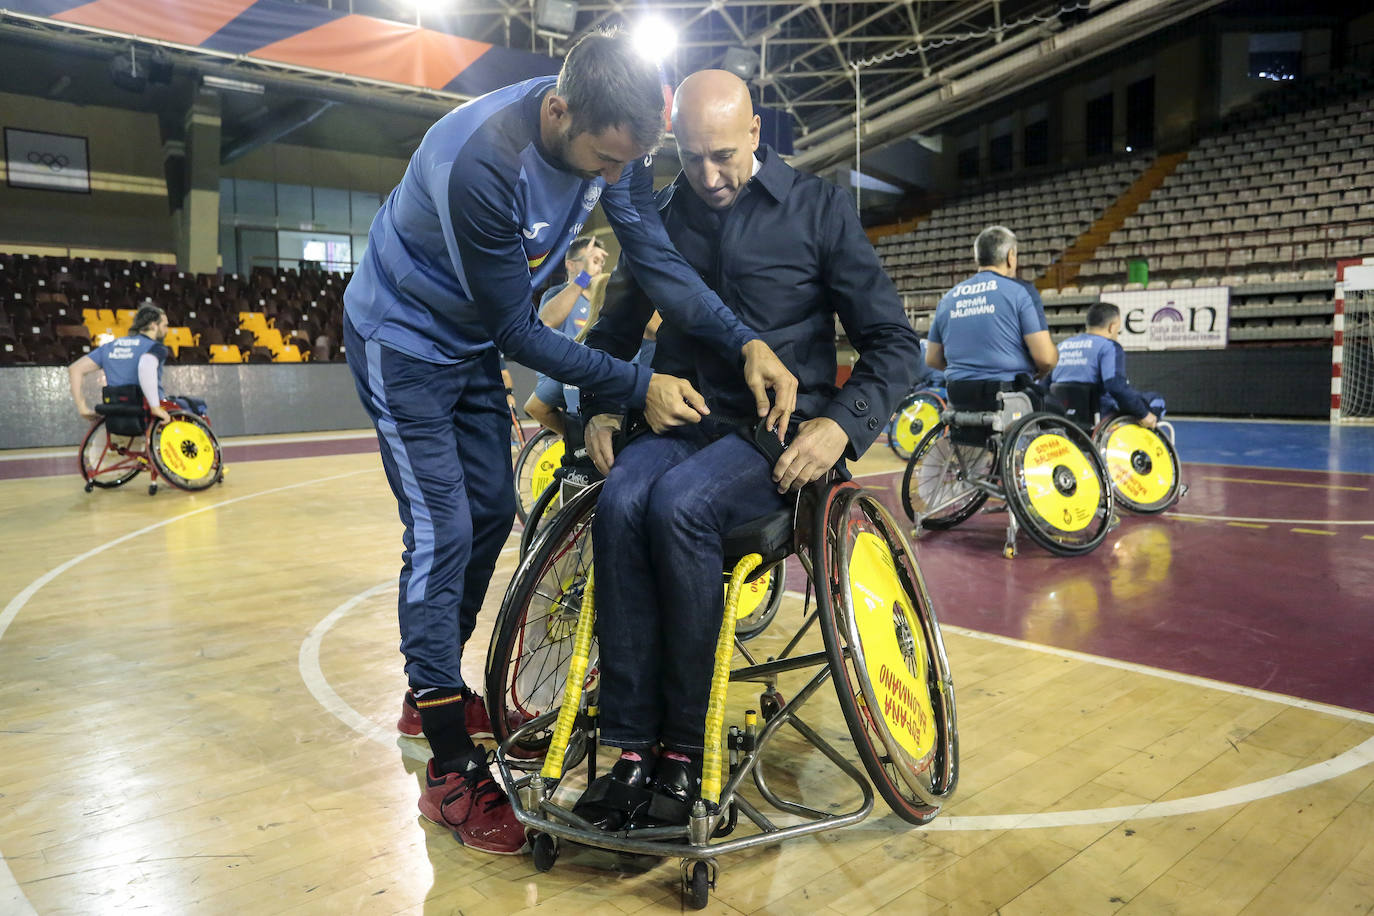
(50, 162)
(1173, 319)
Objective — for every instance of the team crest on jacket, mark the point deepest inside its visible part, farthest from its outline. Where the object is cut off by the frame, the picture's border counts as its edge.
(591, 197)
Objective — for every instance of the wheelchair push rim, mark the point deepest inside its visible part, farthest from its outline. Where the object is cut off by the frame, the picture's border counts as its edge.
(97, 451)
(915, 416)
(937, 492)
(528, 660)
(185, 452)
(532, 471)
(887, 656)
(1056, 484)
(1142, 464)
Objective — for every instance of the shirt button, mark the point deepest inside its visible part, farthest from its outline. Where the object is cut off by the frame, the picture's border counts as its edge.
(872, 422)
(860, 404)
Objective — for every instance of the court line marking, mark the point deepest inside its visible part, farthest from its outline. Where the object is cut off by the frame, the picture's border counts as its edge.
(1248, 525)
(1355, 758)
(11, 894)
(1289, 483)
(1190, 517)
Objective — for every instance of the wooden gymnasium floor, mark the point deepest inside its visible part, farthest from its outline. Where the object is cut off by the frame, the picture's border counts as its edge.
(199, 693)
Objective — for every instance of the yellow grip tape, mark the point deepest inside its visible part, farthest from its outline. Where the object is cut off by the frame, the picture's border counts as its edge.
(572, 690)
(713, 758)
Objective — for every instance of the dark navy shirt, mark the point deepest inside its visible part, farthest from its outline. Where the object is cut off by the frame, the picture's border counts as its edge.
(1096, 360)
(481, 219)
(787, 258)
(119, 358)
(982, 324)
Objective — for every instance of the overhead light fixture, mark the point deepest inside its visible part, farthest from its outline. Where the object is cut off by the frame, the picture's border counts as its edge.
(231, 85)
(559, 16)
(655, 38)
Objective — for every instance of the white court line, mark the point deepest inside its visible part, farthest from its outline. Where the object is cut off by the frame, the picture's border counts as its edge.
(1272, 521)
(1360, 755)
(12, 899)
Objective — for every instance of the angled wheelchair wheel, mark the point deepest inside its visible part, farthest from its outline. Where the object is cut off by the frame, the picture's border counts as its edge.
(544, 508)
(936, 490)
(185, 451)
(534, 467)
(886, 654)
(107, 460)
(527, 664)
(915, 416)
(1142, 464)
(1056, 484)
(759, 602)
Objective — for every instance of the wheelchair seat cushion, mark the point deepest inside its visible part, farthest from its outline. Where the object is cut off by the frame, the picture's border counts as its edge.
(770, 536)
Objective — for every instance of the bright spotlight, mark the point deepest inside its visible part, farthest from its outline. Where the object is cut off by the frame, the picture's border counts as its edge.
(655, 38)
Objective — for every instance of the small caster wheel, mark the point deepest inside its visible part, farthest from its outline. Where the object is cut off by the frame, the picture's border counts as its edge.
(89, 486)
(697, 887)
(1009, 552)
(152, 489)
(545, 851)
(770, 704)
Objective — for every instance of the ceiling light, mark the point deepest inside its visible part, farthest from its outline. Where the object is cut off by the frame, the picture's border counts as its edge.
(655, 38)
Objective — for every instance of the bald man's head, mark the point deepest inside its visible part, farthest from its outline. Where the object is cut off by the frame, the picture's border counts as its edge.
(717, 133)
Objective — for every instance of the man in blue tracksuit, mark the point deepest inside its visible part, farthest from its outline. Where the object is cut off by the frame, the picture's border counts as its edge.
(492, 198)
(1096, 358)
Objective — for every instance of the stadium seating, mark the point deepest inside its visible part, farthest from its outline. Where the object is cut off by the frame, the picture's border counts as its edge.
(53, 309)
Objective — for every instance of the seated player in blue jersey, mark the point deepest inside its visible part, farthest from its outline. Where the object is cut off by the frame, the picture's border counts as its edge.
(787, 253)
(494, 195)
(1096, 358)
(989, 333)
(134, 359)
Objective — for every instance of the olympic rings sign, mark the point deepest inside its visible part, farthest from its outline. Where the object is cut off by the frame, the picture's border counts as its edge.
(46, 161)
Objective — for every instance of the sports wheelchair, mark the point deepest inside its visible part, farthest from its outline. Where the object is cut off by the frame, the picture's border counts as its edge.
(126, 439)
(916, 414)
(882, 649)
(1142, 463)
(1043, 466)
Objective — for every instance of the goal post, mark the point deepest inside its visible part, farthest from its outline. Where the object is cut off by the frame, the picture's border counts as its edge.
(1352, 343)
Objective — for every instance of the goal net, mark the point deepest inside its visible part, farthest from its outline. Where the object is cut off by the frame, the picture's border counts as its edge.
(1352, 350)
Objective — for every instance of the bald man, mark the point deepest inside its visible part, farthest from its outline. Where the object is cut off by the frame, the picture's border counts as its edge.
(786, 254)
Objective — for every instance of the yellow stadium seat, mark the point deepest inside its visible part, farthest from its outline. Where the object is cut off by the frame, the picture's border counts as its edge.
(225, 353)
(125, 317)
(271, 339)
(290, 354)
(256, 322)
(180, 337)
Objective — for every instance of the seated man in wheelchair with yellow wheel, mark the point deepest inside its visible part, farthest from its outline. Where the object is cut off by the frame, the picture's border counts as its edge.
(990, 337)
(180, 446)
(1090, 383)
(786, 253)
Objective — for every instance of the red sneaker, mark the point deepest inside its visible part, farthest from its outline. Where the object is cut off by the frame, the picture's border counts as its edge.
(475, 714)
(473, 806)
(410, 724)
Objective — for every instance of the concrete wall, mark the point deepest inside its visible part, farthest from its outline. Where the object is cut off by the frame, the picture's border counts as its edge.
(246, 400)
(127, 208)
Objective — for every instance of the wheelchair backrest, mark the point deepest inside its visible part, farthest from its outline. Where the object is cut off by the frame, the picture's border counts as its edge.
(1079, 401)
(123, 409)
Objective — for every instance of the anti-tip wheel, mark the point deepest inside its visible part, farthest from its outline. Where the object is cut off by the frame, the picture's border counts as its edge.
(1009, 552)
(544, 849)
(152, 489)
(89, 486)
(697, 888)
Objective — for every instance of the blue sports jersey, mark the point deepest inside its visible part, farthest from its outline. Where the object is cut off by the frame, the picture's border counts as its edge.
(982, 324)
(119, 358)
(1096, 360)
(481, 218)
(577, 318)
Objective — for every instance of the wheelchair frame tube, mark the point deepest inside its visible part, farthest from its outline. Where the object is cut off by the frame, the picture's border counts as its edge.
(572, 690)
(712, 760)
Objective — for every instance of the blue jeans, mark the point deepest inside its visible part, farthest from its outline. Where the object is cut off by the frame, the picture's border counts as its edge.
(659, 601)
(444, 433)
